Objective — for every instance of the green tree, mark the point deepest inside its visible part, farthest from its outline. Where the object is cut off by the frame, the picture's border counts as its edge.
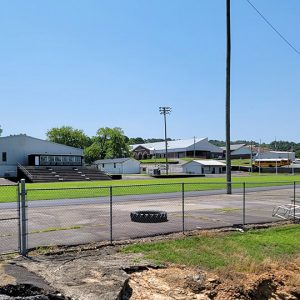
(69, 136)
(111, 142)
(92, 153)
(1, 130)
(137, 140)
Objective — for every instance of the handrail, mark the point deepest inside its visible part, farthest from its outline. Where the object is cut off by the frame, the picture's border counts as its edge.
(27, 173)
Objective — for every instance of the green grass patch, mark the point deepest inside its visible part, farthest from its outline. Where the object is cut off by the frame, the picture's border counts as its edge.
(241, 162)
(50, 229)
(93, 189)
(217, 251)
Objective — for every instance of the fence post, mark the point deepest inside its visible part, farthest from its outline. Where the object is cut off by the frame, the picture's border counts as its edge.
(19, 215)
(110, 214)
(183, 225)
(23, 217)
(294, 201)
(244, 204)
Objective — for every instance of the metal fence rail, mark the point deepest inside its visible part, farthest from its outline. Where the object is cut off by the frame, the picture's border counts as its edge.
(35, 217)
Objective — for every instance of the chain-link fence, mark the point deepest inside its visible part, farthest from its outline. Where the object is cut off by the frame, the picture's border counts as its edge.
(70, 216)
(9, 218)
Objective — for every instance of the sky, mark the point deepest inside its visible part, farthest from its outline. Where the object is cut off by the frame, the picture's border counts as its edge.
(92, 64)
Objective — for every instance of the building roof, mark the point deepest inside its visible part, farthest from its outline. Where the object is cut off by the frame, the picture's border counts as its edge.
(55, 154)
(282, 152)
(171, 144)
(207, 162)
(20, 136)
(201, 144)
(234, 147)
(113, 160)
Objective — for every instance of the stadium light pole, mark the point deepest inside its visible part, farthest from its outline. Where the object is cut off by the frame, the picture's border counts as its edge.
(164, 110)
(227, 114)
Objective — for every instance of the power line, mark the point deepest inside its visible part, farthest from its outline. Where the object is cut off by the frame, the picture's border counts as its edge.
(277, 32)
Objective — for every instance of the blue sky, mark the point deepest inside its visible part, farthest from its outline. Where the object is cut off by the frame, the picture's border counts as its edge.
(91, 64)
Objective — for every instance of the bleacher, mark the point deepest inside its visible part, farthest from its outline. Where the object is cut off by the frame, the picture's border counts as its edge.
(60, 173)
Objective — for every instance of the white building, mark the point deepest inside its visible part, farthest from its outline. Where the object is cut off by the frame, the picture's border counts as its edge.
(27, 150)
(198, 147)
(118, 165)
(276, 155)
(203, 167)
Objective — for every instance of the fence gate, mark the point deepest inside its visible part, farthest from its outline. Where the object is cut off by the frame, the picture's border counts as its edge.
(9, 218)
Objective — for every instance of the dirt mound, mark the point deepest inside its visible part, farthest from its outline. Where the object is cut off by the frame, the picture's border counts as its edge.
(274, 282)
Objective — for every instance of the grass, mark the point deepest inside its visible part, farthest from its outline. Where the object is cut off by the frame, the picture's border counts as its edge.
(239, 251)
(50, 229)
(241, 162)
(92, 189)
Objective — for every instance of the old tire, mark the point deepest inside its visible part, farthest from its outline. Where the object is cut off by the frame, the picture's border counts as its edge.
(149, 216)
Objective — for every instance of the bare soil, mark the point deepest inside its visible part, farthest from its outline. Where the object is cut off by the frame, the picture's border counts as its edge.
(273, 281)
(101, 272)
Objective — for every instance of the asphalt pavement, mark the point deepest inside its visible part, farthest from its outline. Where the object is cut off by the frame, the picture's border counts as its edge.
(88, 220)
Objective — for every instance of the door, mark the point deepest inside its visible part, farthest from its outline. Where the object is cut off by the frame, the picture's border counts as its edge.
(36, 160)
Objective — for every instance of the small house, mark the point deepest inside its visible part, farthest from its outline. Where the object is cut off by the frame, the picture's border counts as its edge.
(203, 167)
(118, 165)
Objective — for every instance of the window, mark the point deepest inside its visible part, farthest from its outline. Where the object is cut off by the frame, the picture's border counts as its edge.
(102, 165)
(114, 165)
(44, 160)
(78, 159)
(4, 156)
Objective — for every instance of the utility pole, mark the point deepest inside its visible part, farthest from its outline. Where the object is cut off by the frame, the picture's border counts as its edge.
(164, 110)
(292, 163)
(251, 157)
(228, 58)
(259, 156)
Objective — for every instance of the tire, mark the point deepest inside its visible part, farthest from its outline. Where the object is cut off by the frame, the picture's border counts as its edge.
(149, 216)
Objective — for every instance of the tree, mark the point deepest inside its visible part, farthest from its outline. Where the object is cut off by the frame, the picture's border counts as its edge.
(135, 141)
(69, 136)
(154, 140)
(108, 143)
(1, 130)
(92, 153)
(112, 142)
